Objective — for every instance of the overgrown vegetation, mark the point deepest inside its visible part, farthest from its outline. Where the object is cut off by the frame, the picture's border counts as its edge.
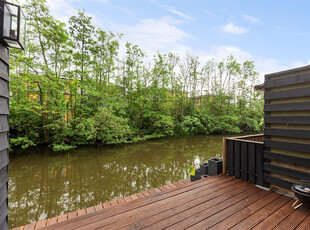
(71, 87)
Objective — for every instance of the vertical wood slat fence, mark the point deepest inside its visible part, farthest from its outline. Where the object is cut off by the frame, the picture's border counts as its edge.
(243, 158)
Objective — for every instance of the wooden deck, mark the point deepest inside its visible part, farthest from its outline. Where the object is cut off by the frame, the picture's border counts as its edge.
(219, 202)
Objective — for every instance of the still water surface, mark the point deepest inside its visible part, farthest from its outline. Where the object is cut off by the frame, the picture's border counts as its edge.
(45, 184)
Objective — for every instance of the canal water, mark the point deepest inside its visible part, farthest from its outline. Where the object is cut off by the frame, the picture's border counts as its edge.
(44, 184)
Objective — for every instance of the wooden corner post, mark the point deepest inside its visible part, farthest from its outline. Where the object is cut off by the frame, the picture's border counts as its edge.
(224, 155)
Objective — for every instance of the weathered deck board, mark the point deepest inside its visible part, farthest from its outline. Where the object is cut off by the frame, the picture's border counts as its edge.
(219, 202)
(42, 223)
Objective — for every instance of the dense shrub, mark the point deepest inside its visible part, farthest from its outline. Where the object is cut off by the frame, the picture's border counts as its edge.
(104, 128)
(191, 126)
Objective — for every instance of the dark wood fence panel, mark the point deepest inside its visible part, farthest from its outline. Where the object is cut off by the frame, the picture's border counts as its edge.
(296, 106)
(252, 161)
(305, 148)
(230, 157)
(278, 181)
(4, 136)
(294, 133)
(290, 120)
(245, 159)
(294, 80)
(259, 164)
(287, 132)
(301, 161)
(304, 92)
(237, 158)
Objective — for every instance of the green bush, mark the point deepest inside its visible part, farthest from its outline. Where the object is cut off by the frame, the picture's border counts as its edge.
(104, 128)
(191, 126)
(22, 142)
(226, 124)
(158, 124)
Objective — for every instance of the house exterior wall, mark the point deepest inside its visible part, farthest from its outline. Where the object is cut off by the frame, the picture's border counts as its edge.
(4, 135)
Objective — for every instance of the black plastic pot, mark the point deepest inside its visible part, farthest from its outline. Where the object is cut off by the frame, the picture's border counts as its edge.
(215, 166)
(197, 175)
(204, 169)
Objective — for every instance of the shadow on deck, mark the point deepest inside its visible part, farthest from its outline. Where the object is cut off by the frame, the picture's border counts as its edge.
(218, 202)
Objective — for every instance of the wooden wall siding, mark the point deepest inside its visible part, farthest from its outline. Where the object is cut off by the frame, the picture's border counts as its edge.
(287, 120)
(244, 159)
(4, 135)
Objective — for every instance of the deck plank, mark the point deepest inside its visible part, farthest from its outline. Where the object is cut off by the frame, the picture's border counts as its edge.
(262, 214)
(62, 217)
(151, 191)
(294, 219)
(106, 205)
(90, 218)
(134, 197)
(140, 195)
(90, 209)
(194, 215)
(82, 212)
(274, 219)
(19, 228)
(238, 211)
(41, 224)
(72, 215)
(121, 201)
(51, 221)
(162, 188)
(167, 187)
(30, 226)
(219, 202)
(161, 211)
(127, 199)
(98, 207)
(108, 222)
(145, 193)
(305, 224)
(235, 218)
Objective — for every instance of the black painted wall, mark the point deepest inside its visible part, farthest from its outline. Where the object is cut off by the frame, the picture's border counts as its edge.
(4, 135)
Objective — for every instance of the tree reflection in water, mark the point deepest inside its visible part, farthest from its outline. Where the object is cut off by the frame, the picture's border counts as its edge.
(45, 184)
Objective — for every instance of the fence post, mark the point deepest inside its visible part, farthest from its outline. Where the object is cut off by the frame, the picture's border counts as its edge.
(260, 164)
(224, 156)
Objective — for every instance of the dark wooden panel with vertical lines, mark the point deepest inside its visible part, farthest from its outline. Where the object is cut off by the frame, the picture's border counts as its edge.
(252, 165)
(245, 159)
(237, 158)
(4, 136)
(230, 157)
